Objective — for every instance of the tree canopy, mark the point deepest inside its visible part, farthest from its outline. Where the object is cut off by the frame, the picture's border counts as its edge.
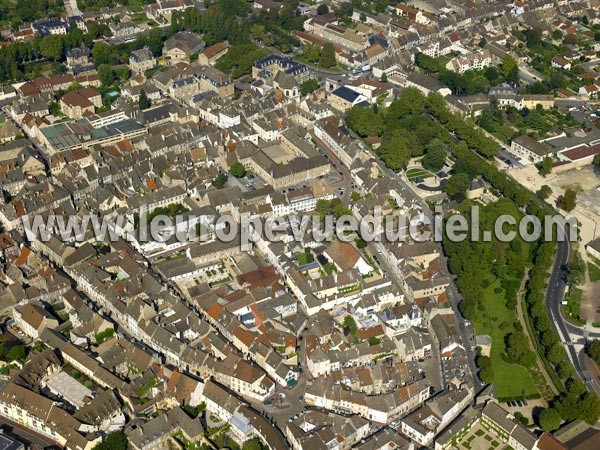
(549, 419)
(568, 200)
(237, 169)
(220, 180)
(435, 157)
(365, 121)
(593, 350)
(328, 55)
(457, 184)
(113, 441)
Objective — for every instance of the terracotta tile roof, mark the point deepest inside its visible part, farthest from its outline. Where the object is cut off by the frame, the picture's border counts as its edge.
(22, 259)
(215, 49)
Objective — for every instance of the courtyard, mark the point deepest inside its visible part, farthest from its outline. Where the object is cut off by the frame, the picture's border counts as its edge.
(478, 438)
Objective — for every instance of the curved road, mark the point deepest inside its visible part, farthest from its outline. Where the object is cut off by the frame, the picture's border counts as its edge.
(554, 295)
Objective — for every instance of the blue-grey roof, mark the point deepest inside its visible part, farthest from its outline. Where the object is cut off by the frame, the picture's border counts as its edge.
(345, 93)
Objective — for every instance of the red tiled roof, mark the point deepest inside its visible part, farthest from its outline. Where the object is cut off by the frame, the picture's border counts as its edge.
(583, 151)
(22, 259)
(215, 49)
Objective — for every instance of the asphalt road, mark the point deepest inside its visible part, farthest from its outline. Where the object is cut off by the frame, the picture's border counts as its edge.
(528, 75)
(554, 295)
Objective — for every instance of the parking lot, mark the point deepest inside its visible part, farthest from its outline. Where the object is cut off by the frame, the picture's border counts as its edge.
(528, 409)
(584, 180)
(505, 157)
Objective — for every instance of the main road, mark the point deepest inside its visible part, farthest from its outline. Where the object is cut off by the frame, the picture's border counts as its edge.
(554, 296)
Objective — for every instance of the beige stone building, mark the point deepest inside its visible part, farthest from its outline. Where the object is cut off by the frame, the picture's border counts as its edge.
(80, 103)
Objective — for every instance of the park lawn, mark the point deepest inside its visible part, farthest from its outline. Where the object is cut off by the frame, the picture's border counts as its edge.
(594, 272)
(510, 380)
(411, 174)
(574, 304)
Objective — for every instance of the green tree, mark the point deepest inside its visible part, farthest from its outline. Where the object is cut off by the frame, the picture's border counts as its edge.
(106, 75)
(322, 9)
(575, 271)
(101, 53)
(54, 109)
(373, 340)
(556, 354)
(521, 418)
(254, 444)
(239, 59)
(549, 338)
(516, 345)
(491, 74)
(549, 419)
(457, 184)
(144, 102)
(154, 41)
(557, 35)
(237, 169)
(435, 158)
(383, 77)
(365, 121)
(567, 201)
(323, 207)
(546, 165)
(533, 37)
(570, 39)
(258, 32)
(596, 161)
(113, 441)
(428, 63)
(328, 55)
(312, 53)
(486, 371)
(51, 47)
(589, 408)
(565, 369)
(411, 102)
(593, 350)
(545, 191)
(309, 86)
(16, 353)
(338, 209)
(360, 243)
(510, 69)
(395, 151)
(220, 180)
(350, 326)
(528, 359)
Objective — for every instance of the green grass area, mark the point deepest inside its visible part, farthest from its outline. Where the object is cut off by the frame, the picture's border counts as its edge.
(510, 123)
(411, 174)
(174, 209)
(594, 271)
(327, 268)
(573, 305)
(305, 258)
(104, 335)
(496, 320)
(301, 58)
